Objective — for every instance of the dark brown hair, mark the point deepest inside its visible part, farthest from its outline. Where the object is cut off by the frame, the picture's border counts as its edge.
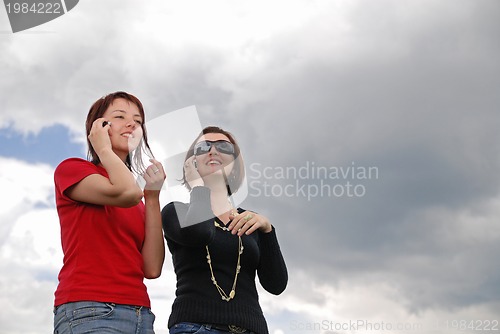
(97, 111)
(237, 175)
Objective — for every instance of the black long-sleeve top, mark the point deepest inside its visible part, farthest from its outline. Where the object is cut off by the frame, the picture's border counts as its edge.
(189, 228)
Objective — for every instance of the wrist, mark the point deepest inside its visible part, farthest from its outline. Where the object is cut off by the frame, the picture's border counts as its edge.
(103, 151)
(267, 229)
(196, 184)
(151, 194)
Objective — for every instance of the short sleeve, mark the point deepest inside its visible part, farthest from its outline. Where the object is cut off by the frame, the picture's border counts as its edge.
(70, 172)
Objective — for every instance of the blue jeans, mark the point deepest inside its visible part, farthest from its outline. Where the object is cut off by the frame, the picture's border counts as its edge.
(104, 318)
(192, 328)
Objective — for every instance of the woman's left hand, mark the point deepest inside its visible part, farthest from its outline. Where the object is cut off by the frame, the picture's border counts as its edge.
(248, 222)
(154, 176)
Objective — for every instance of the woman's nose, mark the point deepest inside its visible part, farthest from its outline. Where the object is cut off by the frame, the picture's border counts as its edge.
(131, 124)
(213, 150)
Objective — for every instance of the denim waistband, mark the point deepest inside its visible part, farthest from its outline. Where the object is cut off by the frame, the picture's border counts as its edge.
(137, 308)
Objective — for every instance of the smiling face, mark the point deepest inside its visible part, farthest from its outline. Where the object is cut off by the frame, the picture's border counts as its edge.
(213, 162)
(211, 159)
(126, 126)
(126, 114)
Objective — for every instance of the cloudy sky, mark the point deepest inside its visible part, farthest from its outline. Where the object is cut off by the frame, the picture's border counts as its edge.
(369, 130)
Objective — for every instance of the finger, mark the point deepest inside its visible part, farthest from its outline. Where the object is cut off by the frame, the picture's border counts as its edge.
(147, 178)
(250, 224)
(189, 162)
(235, 220)
(149, 174)
(155, 168)
(253, 228)
(186, 166)
(244, 228)
(161, 169)
(234, 226)
(99, 123)
(155, 162)
(153, 181)
(241, 220)
(150, 171)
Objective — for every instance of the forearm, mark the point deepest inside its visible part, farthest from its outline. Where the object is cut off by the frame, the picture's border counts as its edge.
(153, 249)
(272, 271)
(200, 209)
(193, 224)
(122, 180)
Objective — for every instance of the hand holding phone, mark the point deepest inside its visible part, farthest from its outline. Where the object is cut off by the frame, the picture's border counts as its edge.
(191, 174)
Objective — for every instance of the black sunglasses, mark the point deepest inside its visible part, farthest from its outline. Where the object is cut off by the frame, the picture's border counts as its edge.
(222, 146)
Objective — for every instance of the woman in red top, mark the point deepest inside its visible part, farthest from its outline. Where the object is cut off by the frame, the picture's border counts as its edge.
(111, 239)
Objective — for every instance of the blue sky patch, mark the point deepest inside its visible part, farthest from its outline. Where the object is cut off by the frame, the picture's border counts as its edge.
(52, 145)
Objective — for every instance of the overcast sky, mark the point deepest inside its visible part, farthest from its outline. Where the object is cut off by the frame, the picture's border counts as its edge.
(369, 131)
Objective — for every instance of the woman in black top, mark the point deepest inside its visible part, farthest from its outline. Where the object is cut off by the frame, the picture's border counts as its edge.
(216, 248)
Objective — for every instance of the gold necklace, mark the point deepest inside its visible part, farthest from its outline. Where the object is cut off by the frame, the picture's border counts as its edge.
(238, 267)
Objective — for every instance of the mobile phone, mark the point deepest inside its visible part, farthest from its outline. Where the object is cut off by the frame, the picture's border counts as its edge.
(195, 164)
(105, 123)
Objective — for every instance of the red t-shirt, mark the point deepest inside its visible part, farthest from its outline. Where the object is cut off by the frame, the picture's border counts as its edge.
(101, 244)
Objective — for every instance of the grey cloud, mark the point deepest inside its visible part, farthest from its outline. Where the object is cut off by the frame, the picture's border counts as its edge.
(426, 117)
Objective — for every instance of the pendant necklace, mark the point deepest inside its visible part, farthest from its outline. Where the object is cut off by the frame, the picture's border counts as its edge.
(222, 293)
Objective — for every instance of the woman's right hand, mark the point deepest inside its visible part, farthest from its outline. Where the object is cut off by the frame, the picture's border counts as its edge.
(193, 178)
(99, 135)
